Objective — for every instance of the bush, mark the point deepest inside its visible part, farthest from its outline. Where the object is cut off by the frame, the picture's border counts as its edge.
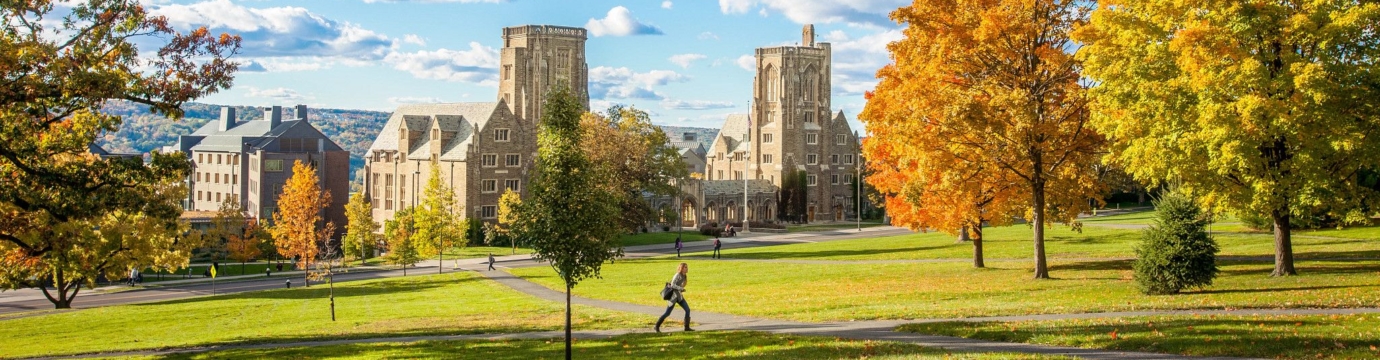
(665, 228)
(711, 230)
(1177, 252)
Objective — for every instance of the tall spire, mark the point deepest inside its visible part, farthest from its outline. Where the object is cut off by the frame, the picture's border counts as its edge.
(807, 36)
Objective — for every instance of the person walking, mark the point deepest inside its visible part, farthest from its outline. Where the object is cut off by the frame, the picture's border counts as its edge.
(717, 244)
(491, 261)
(133, 276)
(678, 246)
(677, 286)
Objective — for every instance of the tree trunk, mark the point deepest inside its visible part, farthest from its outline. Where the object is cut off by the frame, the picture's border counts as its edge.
(1284, 248)
(241, 268)
(62, 284)
(567, 320)
(963, 234)
(977, 246)
(1038, 190)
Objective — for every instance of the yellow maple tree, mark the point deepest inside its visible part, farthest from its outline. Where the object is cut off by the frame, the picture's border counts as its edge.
(299, 231)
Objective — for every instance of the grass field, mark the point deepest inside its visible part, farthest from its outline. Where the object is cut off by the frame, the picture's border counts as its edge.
(458, 303)
(697, 345)
(1265, 336)
(661, 237)
(864, 291)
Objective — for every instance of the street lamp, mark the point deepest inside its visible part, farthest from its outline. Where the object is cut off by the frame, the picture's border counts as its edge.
(858, 180)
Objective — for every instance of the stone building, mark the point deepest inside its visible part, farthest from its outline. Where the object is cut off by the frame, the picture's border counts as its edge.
(252, 160)
(790, 128)
(480, 148)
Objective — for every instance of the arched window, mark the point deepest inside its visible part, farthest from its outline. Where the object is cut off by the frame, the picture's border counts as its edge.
(773, 83)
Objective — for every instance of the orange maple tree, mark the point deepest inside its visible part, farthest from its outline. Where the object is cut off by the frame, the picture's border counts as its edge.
(981, 118)
(298, 228)
(245, 247)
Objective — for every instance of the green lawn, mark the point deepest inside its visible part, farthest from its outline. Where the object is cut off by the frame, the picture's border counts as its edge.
(696, 345)
(1135, 218)
(661, 237)
(864, 291)
(457, 303)
(469, 252)
(1264, 336)
(832, 226)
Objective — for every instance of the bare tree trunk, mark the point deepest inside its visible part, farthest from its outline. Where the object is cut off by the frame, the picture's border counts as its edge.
(963, 234)
(977, 246)
(1038, 190)
(567, 320)
(1284, 248)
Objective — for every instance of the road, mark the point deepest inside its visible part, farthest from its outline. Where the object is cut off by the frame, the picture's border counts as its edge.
(173, 292)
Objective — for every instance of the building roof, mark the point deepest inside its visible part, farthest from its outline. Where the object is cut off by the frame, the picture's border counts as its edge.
(731, 187)
(461, 119)
(731, 135)
(255, 133)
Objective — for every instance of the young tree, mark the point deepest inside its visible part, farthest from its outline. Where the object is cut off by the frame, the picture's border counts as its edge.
(507, 205)
(228, 223)
(62, 62)
(1266, 108)
(987, 94)
(1177, 252)
(437, 221)
(570, 217)
(298, 228)
(639, 157)
(401, 234)
(245, 246)
(361, 233)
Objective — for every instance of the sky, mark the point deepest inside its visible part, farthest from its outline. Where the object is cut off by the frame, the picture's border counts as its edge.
(686, 62)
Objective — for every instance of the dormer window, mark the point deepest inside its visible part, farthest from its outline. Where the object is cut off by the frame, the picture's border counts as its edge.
(501, 135)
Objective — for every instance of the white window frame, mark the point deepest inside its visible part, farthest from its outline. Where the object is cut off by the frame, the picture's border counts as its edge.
(848, 179)
(508, 160)
(512, 184)
(811, 139)
(833, 159)
(811, 180)
(488, 211)
(839, 139)
(811, 159)
(848, 159)
(501, 135)
(833, 179)
(488, 186)
(489, 160)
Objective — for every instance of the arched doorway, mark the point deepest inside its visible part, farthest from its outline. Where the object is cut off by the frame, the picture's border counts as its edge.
(713, 212)
(731, 212)
(838, 212)
(810, 214)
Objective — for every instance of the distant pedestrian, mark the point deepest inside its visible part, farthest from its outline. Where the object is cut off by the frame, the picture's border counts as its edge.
(678, 245)
(717, 245)
(491, 261)
(677, 286)
(133, 276)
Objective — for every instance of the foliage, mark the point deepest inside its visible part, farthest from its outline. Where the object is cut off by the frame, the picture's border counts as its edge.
(793, 197)
(228, 223)
(246, 246)
(985, 97)
(60, 62)
(361, 233)
(1273, 103)
(401, 234)
(637, 156)
(1176, 252)
(299, 231)
(439, 224)
(711, 230)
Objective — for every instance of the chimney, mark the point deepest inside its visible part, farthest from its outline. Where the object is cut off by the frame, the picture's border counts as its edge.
(274, 116)
(808, 36)
(227, 118)
(302, 112)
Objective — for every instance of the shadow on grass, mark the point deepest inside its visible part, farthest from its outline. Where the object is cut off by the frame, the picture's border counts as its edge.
(321, 290)
(1273, 289)
(1204, 336)
(832, 253)
(1112, 264)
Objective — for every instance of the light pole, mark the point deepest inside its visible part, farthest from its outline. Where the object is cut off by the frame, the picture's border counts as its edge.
(858, 181)
(416, 172)
(747, 167)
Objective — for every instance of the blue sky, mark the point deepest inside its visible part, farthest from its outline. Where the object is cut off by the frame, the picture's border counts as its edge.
(678, 60)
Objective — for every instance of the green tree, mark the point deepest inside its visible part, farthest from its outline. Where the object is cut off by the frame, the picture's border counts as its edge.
(638, 156)
(570, 217)
(1260, 107)
(1176, 252)
(229, 223)
(400, 233)
(61, 63)
(361, 233)
(438, 225)
(793, 198)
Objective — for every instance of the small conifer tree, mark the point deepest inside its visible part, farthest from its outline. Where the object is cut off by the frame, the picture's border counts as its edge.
(1176, 252)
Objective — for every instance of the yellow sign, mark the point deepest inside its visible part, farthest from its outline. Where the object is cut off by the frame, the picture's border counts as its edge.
(213, 272)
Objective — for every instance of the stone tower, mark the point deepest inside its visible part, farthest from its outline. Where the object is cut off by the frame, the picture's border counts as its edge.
(791, 104)
(534, 59)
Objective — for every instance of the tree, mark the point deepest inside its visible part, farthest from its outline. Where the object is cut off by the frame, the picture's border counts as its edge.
(400, 233)
(507, 213)
(299, 231)
(793, 197)
(361, 233)
(61, 62)
(1272, 103)
(991, 88)
(570, 217)
(245, 246)
(437, 221)
(639, 157)
(228, 223)
(1176, 252)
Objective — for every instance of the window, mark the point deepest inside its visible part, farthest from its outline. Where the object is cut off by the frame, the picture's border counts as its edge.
(687, 137)
(766, 138)
(217, 159)
(834, 159)
(839, 139)
(811, 159)
(490, 160)
(488, 211)
(737, 175)
(848, 179)
(217, 197)
(273, 165)
(512, 184)
(500, 134)
(489, 186)
(848, 159)
(217, 178)
(811, 139)
(809, 116)
(766, 158)
(507, 72)
(514, 160)
(834, 179)
(435, 133)
(198, 196)
(200, 158)
(811, 180)
(234, 181)
(721, 175)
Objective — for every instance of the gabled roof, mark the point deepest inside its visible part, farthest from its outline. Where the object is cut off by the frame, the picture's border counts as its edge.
(461, 119)
(731, 135)
(731, 187)
(256, 133)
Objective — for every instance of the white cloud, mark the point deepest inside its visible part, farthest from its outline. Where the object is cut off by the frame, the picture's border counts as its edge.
(280, 94)
(669, 104)
(856, 61)
(280, 31)
(747, 62)
(708, 36)
(399, 100)
(684, 60)
(620, 22)
(666, 4)
(478, 64)
(435, 1)
(414, 39)
(623, 83)
(859, 12)
(252, 66)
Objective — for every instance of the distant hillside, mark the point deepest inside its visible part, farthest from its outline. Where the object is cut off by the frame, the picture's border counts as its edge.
(353, 130)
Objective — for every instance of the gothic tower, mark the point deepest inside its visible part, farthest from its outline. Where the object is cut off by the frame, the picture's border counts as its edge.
(534, 59)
